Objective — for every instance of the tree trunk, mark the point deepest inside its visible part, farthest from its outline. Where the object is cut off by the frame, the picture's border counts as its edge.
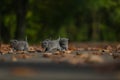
(4, 31)
(21, 9)
(95, 27)
(0, 28)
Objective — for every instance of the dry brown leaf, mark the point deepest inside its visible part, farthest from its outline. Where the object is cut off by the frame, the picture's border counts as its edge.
(57, 53)
(116, 55)
(105, 50)
(109, 48)
(23, 56)
(81, 49)
(84, 56)
(67, 52)
(3, 52)
(72, 47)
(118, 47)
(95, 59)
(31, 49)
(14, 59)
(47, 54)
(75, 61)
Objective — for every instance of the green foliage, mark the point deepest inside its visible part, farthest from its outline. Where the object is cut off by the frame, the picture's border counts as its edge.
(79, 20)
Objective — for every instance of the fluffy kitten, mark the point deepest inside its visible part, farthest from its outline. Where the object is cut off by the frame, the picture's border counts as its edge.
(19, 45)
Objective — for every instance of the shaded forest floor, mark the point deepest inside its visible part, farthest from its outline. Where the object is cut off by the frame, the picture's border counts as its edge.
(81, 61)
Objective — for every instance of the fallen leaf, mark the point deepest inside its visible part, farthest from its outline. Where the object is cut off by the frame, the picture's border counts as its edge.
(14, 59)
(47, 54)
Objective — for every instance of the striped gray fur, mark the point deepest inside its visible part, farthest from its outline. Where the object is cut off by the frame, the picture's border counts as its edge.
(19, 45)
(59, 44)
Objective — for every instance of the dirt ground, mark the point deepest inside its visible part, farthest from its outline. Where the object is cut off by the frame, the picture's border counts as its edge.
(81, 61)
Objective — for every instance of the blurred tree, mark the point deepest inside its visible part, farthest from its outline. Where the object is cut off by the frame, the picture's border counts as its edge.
(4, 10)
(80, 20)
(21, 10)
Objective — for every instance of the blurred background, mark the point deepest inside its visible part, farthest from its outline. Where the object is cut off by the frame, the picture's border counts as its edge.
(79, 20)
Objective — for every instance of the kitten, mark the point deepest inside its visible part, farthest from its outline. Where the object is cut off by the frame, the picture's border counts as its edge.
(49, 45)
(19, 45)
(64, 43)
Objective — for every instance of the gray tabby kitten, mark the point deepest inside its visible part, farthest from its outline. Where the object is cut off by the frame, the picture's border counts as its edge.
(63, 43)
(49, 45)
(19, 45)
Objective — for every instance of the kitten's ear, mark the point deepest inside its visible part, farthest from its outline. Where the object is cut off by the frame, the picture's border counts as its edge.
(26, 38)
(59, 38)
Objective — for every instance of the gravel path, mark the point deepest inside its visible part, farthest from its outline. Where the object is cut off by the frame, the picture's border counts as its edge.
(33, 66)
